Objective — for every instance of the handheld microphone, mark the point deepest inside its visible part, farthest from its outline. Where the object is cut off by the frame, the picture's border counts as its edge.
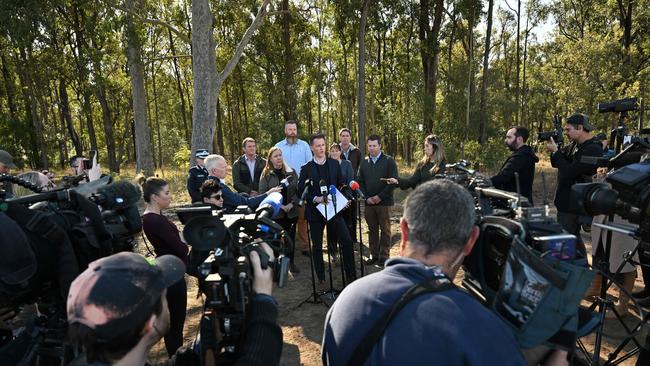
(270, 206)
(323, 188)
(354, 185)
(286, 182)
(308, 183)
(333, 193)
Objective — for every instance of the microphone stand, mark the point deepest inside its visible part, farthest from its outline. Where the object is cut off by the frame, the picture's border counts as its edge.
(336, 241)
(362, 265)
(313, 298)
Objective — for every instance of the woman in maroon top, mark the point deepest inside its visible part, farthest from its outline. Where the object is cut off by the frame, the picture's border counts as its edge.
(166, 239)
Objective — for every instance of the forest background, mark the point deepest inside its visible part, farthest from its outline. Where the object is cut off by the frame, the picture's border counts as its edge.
(146, 82)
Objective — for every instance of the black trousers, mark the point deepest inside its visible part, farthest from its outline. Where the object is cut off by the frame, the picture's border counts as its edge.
(289, 225)
(177, 303)
(336, 226)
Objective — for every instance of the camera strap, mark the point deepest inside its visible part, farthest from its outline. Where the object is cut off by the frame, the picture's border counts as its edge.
(363, 349)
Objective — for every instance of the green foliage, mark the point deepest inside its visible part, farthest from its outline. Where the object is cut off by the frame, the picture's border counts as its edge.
(587, 58)
(180, 158)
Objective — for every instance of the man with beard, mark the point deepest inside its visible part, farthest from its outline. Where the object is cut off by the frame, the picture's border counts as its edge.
(522, 161)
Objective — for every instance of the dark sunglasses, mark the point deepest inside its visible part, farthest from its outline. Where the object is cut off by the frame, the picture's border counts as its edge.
(217, 196)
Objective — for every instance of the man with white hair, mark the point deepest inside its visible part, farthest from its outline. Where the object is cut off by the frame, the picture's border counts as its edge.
(217, 168)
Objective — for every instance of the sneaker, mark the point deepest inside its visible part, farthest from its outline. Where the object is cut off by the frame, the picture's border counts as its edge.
(293, 268)
(371, 261)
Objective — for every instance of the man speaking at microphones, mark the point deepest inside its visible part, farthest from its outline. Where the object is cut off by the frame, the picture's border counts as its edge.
(323, 172)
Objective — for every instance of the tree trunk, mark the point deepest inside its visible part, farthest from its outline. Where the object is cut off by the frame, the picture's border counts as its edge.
(362, 76)
(144, 158)
(66, 117)
(181, 95)
(204, 66)
(429, 52)
(518, 66)
(288, 83)
(40, 153)
(484, 82)
(207, 83)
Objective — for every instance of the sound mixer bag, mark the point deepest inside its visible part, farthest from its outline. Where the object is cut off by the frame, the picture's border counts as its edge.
(539, 295)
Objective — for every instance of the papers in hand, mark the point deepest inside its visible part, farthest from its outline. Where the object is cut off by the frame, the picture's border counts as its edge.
(341, 202)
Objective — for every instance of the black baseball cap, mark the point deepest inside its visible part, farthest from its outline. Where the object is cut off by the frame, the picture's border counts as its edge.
(116, 292)
(580, 119)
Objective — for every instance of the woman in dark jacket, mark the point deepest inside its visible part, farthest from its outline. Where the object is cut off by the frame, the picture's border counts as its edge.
(432, 163)
(166, 239)
(276, 170)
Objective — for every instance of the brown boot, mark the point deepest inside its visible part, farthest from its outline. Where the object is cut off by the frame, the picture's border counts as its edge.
(594, 288)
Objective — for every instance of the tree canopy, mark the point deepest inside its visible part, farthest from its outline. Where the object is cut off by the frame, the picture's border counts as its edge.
(147, 81)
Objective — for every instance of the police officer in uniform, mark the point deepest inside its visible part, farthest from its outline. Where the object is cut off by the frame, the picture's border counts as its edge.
(198, 174)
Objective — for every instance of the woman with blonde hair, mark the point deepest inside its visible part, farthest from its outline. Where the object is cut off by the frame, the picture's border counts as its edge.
(432, 163)
(275, 171)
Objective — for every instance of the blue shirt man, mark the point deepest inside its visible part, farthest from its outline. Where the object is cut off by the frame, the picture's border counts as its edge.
(295, 151)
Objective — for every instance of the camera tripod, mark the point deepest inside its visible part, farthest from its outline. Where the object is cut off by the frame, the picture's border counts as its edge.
(604, 304)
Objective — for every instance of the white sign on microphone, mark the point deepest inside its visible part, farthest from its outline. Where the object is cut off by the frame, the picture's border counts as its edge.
(341, 203)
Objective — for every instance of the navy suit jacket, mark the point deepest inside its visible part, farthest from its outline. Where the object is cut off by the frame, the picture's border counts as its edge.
(233, 199)
(310, 171)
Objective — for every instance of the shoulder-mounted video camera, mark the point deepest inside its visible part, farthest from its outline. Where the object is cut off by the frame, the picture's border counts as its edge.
(221, 246)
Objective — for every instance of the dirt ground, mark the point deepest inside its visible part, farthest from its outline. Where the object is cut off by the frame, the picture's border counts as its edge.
(302, 320)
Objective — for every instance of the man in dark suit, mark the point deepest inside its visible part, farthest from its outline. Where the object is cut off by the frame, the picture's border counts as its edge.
(247, 170)
(218, 170)
(322, 169)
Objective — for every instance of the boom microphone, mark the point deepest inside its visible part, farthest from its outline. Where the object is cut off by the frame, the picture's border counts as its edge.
(354, 185)
(117, 195)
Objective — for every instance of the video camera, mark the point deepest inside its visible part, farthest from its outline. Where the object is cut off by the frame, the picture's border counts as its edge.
(556, 134)
(51, 237)
(221, 246)
(629, 195)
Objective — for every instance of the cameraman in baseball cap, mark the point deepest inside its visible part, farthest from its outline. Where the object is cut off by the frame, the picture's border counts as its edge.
(117, 311)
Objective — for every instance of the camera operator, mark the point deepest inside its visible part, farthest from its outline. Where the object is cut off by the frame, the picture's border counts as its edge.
(571, 170)
(521, 161)
(117, 311)
(444, 323)
(6, 164)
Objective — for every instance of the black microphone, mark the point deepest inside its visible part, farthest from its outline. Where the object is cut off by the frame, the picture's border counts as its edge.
(286, 181)
(117, 195)
(323, 188)
(308, 183)
(347, 192)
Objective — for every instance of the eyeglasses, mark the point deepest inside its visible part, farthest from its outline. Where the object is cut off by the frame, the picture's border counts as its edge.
(217, 196)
